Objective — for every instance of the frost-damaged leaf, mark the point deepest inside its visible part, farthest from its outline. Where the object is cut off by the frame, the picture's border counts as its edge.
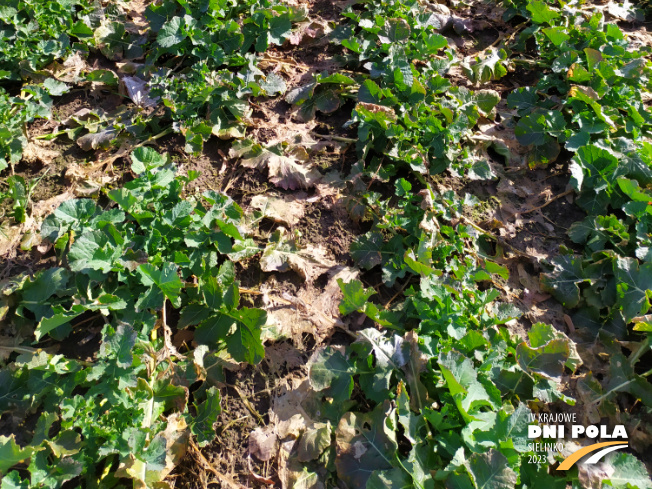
(491, 470)
(176, 436)
(120, 345)
(547, 360)
(273, 84)
(329, 369)
(55, 87)
(480, 170)
(417, 362)
(395, 30)
(541, 334)
(366, 251)
(628, 472)
(395, 478)
(287, 168)
(563, 282)
(300, 94)
(392, 353)
(110, 39)
(543, 155)
(365, 444)
(628, 11)
(262, 443)
(314, 441)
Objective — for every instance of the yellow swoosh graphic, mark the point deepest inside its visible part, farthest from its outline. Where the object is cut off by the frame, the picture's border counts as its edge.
(570, 460)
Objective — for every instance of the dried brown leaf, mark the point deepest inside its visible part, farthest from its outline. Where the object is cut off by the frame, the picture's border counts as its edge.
(262, 443)
(138, 91)
(288, 209)
(34, 152)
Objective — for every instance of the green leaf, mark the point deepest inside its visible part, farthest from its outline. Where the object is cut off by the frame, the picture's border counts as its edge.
(240, 329)
(337, 79)
(166, 279)
(75, 210)
(203, 424)
(13, 481)
(354, 296)
(486, 100)
(55, 87)
(634, 287)
(495, 268)
(279, 29)
(171, 33)
(533, 128)
(514, 427)
(145, 158)
(45, 475)
(540, 12)
(45, 285)
(211, 292)
(61, 317)
(413, 424)
(93, 251)
(623, 378)
(557, 35)
(462, 382)
(525, 99)
(11, 453)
